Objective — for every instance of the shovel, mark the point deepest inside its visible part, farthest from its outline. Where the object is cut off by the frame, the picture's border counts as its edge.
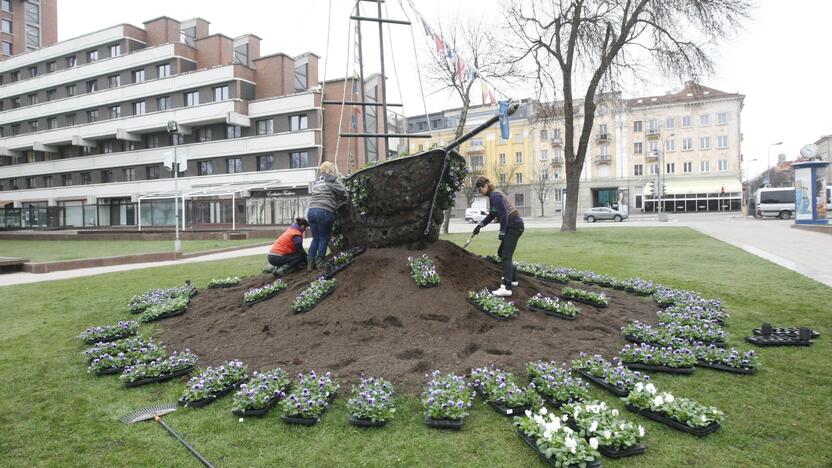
(465, 246)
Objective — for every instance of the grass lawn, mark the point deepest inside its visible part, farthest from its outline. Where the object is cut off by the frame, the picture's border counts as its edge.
(54, 413)
(45, 251)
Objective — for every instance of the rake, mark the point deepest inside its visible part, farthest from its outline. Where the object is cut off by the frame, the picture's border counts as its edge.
(155, 413)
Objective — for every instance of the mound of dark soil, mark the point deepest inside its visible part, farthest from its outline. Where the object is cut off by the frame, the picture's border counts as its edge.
(378, 322)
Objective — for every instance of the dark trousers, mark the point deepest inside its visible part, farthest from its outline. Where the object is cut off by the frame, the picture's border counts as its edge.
(320, 222)
(293, 261)
(506, 251)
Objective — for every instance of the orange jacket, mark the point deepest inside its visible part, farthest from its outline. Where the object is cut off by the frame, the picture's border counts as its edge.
(285, 244)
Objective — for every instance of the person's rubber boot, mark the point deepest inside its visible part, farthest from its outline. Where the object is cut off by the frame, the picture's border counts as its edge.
(502, 292)
(320, 263)
(310, 263)
(282, 270)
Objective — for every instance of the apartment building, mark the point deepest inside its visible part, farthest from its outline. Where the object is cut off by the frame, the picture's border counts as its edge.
(824, 145)
(84, 128)
(27, 25)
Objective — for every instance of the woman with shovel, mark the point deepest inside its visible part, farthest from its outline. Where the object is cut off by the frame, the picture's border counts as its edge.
(511, 228)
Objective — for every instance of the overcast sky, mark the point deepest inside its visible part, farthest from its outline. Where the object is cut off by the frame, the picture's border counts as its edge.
(781, 62)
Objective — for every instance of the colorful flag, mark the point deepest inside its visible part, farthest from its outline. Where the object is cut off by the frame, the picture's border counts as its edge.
(440, 44)
(505, 131)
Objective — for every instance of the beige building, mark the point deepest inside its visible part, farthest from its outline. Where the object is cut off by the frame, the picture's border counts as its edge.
(824, 145)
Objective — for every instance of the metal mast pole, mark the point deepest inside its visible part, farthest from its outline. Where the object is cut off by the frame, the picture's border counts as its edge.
(383, 83)
(361, 74)
(177, 244)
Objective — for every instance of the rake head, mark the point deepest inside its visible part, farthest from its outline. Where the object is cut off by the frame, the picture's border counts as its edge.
(150, 412)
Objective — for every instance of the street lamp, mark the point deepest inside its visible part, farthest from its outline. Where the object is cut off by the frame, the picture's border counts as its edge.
(768, 161)
(748, 181)
(173, 131)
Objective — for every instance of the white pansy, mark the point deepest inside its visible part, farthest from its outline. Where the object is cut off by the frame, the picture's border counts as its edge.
(570, 443)
(607, 434)
(639, 387)
(615, 412)
(544, 411)
(593, 426)
(593, 442)
(572, 450)
(669, 398)
(528, 414)
(651, 389)
(641, 431)
(658, 400)
(565, 417)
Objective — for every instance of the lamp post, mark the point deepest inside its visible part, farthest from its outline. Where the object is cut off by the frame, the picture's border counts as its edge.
(660, 183)
(173, 131)
(748, 180)
(768, 161)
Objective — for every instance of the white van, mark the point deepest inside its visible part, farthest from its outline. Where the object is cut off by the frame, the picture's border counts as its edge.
(475, 215)
(777, 202)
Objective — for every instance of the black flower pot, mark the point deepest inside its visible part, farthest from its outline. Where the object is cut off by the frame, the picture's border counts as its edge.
(617, 391)
(362, 422)
(551, 462)
(159, 378)
(697, 431)
(650, 368)
(452, 424)
(210, 399)
(507, 410)
(621, 453)
(299, 420)
(258, 412)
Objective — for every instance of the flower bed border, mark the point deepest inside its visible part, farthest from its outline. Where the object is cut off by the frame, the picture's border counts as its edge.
(208, 400)
(361, 422)
(651, 368)
(551, 314)
(259, 412)
(551, 462)
(724, 368)
(697, 431)
(452, 424)
(320, 299)
(159, 378)
(507, 410)
(619, 392)
(495, 317)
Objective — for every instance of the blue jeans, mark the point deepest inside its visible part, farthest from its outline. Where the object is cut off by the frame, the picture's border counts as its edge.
(506, 252)
(320, 222)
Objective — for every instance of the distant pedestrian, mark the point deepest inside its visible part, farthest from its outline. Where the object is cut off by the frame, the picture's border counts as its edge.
(287, 252)
(328, 193)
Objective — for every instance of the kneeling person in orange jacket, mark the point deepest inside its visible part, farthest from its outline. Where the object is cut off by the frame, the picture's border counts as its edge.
(287, 251)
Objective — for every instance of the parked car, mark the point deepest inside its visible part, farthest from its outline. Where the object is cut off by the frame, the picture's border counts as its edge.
(475, 215)
(777, 202)
(599, 213)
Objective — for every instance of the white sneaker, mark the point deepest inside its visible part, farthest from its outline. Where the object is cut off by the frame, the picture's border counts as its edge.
(513, 283)
(502, 292)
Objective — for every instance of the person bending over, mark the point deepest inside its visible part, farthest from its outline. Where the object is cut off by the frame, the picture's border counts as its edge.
(511, 228)
(287, 252)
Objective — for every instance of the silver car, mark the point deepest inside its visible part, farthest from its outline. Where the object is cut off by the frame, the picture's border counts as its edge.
(599, 212)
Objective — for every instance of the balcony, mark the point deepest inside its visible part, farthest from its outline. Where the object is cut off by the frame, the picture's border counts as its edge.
(63, 48)
(556, 142)
(651, 156)
(653, 133)
(603, 159)
(603, 137)
(557, 161)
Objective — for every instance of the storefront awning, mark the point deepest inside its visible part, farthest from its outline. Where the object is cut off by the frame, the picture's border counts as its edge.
(680, 187)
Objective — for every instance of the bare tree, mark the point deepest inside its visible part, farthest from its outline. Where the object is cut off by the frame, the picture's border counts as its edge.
(468, 188)
(581, 48)
(472, 42)
(542, 183)
(505, 174)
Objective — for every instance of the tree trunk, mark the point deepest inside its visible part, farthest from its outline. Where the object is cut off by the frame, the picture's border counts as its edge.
(447, 220)
(570, 210)
(542, 213)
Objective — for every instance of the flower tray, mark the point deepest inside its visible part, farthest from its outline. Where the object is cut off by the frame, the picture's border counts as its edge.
(777, 340)
(723, 367)
(531, 443)
(453, 424)
(552, 281)
(552, 314)
(361, 422)
(221, 286)
(697, 431)
(257, 301)
(110, 338)
(170, 314)
(490, 260)
(555, 403)
(507, 410)
(259, 412)
(207, 400)
(313, 305)
(482, 309)
(300, 420)
(335, 269)
(633, 339)
(109, 371)
(785, 331)
(584, 301)
(621, 453)
(356, 251)
(160, 378)
(620, 392)
(426, 286)
(648, 367)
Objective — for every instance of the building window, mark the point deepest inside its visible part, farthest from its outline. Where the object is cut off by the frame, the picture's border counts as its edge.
(139, 108)
(152, 172)
(670, 145)
(163, 103)
(654, 147)
(86, 150)
(15, 76)
(637, 126)
(137, 75)
(15, 129)
(92, 86)
(722, 141)
(7, 48)
(50, 67)
(192, 98)
(301, 76)
(204, 134)
(602, 129)
(705, 143)
(33, 99)
(107, 147)
(15, 102)
(502, 179)
(115, 112)
(106, 176)
(704, 120)
(518, 157)
(638, 147)
(519, 199)
(163, 71)
(233, 131)
(30, 183)
(687, 167)
(671, 168)
(92, 116)
(70, 91)
(233, 165)
(33, 126)
(686, 121)
(705, 166)
(544, 135)
(52, 123)
(70, 120)
(33, 72)
(502, 159)
(204, 168)
(115, 81)
(51, 94)
(638, 170)
(477, 162)
(299, 159)
(519, 177)
(557, 134)
(70, 61)
(654, 169)
(151, 141)
(265, 127)
(687, 144)
(66, 180)
(265, 163)
(92, 56)
(722, 118)
(128, 174)
(6, 26)
(115, 50)
(653, 125)
(670, 123)
(86, 178)
(221, 93)
(6, 5)
(722, 165)
(298, 122)
(177, 139)
(544, 155)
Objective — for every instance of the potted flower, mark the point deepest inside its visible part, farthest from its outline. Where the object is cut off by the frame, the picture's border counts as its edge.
(557, 443)
(159, 370)
(700, 311)
(323, 384)
(616, 436)
(587, 297)
(552, 275)
(495, 259)
(312, 295)
(224, 282)
(553, 306)
(638, 332)
(502, 393)
(114, 363)
(267, 291)
(446, 400)
(141, 302)
(493, 306)
(679, 413)
(109, 333)
(658, 359)
(213, 383)
(613, 377)
(556, 383)
(728, 360)
(169, 308)
(115, 347)
(303, 407)
(339, 261)
(372, 403)
(423, 271)
(259, 395)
